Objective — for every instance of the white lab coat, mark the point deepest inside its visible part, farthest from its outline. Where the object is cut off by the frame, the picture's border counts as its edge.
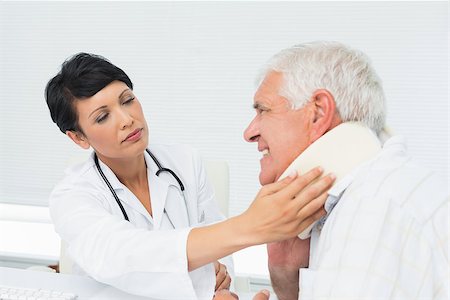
(145, 256)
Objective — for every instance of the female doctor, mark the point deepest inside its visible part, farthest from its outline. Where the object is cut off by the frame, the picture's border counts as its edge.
(133, 215)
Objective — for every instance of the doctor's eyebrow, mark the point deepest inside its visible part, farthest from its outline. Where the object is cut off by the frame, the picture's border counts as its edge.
(123, 92)
(98, 108)
(104, 106)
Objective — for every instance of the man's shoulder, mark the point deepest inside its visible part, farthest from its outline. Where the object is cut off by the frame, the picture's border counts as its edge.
(406, 184)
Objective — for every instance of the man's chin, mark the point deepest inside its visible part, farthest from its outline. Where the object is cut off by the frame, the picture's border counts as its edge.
(265, 178)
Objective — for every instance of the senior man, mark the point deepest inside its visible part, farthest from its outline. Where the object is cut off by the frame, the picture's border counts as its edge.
(385, 235)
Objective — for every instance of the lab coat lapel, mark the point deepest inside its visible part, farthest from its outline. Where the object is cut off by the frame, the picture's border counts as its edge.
(158, 196)
(165, 195)
(176, 207)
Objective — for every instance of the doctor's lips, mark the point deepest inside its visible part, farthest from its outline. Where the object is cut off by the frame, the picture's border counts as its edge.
(134, 135)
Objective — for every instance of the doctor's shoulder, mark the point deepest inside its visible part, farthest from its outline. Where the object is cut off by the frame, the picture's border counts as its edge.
(79, 179)
(183, 159)
(175, 155)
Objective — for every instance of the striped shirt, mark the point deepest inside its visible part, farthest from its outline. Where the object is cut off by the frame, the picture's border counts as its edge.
(386, 238)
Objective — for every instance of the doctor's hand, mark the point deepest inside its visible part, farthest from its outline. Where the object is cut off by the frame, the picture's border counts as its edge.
(280, 211)
(227, 295)
(285, 208)
(223, 279)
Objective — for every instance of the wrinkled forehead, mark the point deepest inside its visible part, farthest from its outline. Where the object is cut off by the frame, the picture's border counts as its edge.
(268, 92)
(270, 83)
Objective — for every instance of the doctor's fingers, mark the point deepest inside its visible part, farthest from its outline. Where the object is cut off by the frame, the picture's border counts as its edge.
(312, 213)
(296, 186)
(262, 295)
(272, 188)
(225, 285)
(313, 191)
(311, 208)
(308, 207)
(226, 295)
(221, 276)
(216, 266)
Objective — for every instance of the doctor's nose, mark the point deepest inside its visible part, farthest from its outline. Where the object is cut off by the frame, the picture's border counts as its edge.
(251, 133)
(126, 120)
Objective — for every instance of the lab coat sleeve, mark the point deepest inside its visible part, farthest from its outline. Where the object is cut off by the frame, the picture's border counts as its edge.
(115, 252)
(208, 206)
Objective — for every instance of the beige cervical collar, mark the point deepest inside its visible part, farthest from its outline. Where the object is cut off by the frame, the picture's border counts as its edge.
(338, 151)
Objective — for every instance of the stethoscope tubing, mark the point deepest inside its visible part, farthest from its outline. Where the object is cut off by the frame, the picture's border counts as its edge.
(113, 192)
(162, 169)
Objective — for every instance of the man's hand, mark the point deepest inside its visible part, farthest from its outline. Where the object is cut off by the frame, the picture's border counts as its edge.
(223, 279)
(227, 295)
(285, 259)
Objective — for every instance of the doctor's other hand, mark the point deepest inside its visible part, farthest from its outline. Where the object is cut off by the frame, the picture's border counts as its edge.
(227, 295)
(223, 279)
(285, 208)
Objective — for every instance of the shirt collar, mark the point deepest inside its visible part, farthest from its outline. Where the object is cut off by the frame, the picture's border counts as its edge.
(335, 193)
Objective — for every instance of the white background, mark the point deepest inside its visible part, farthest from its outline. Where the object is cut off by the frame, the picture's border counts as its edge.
(193, 65)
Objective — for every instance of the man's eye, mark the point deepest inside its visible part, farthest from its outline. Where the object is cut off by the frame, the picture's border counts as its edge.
(101, 118)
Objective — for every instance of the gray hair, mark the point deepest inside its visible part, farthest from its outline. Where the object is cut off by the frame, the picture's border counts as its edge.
(346, 73)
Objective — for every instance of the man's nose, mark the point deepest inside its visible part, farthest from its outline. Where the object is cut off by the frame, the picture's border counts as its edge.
(251, 133)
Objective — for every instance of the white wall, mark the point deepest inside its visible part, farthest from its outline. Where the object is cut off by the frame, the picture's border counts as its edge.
(193, 65)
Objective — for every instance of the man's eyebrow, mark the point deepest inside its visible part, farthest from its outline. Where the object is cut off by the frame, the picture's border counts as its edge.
(258, 105)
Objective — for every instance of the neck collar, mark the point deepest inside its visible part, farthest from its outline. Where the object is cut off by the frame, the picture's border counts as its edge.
(339, 151)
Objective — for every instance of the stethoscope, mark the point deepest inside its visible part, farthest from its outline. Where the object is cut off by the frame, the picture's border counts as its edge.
(160, 170)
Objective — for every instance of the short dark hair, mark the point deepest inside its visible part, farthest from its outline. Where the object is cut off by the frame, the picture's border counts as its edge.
(81, 77)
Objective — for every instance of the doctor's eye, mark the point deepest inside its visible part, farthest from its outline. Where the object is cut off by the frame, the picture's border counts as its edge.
(101, 118)
(129, 101)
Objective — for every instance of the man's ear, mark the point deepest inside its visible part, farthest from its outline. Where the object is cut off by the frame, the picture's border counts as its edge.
(78, 138)
(324, 113)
